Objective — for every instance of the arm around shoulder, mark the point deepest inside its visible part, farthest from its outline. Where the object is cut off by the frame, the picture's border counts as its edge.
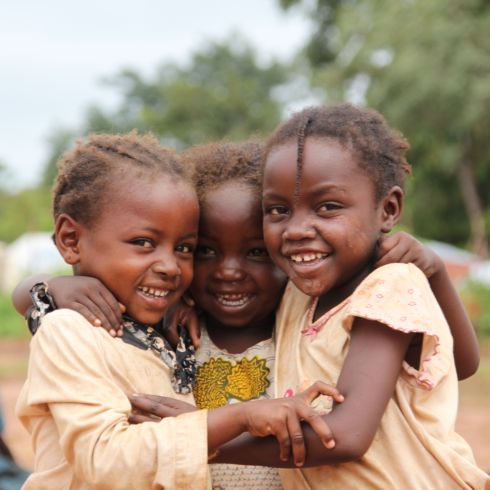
(21, 297)
(71, 370)
(367, 381)
(466, 348)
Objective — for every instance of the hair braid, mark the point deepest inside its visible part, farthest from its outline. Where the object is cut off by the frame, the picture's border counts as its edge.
(302, 133)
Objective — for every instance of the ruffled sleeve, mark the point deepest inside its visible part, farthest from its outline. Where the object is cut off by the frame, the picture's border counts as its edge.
(399, 296)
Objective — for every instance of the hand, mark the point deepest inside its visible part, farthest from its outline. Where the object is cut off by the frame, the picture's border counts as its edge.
(89, 297)
(153, 408)
(184, 313)
(403, 247)
(282, 417)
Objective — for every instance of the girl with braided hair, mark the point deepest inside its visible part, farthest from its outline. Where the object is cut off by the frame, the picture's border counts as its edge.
(333, 185)
(126, 213)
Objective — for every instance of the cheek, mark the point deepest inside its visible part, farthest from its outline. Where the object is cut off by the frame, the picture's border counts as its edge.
(360, 239)
(187, 270)
(272, 238)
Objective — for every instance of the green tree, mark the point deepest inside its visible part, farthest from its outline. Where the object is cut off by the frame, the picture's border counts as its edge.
(58, 142)
(222, 92)
(426, 67)
(27, 210)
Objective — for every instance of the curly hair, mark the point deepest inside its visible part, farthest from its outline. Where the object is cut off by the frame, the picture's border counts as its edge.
(214, 164)
(379, 149)
(86, 173)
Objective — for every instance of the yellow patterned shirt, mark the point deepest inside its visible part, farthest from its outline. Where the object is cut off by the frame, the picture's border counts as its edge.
(224, 378)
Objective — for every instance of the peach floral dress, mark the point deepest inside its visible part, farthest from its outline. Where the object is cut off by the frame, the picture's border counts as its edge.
(415, 446)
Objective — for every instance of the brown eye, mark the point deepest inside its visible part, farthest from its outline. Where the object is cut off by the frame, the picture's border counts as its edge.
(277, 210)
(258, 252)
(203, 251)
(143, 242)
(185, 248)
(329, 206)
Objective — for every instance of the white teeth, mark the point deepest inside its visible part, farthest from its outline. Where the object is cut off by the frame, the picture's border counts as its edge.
(232, 299)
(309, 257)
(157, 293)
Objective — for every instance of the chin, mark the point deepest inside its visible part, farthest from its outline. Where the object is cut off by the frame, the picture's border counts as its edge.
(311, 287)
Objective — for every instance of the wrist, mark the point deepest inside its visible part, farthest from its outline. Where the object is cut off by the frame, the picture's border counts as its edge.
(440, 272)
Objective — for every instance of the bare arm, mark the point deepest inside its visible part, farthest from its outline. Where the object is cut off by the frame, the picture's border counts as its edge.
(402, 247)
(86, 295)
(21, 297)
(374, 349)
(279, 417)
(466, 349)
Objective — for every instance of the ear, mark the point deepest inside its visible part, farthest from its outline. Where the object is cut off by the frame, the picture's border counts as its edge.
(391, 208)
(67, 237)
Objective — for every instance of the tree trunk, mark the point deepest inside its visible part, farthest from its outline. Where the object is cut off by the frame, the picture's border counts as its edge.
(478, 239)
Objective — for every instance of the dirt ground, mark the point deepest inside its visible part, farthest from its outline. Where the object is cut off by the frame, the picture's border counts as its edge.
(473, 420)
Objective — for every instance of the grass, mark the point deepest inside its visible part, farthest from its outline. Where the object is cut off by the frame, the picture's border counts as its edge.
(12, 325)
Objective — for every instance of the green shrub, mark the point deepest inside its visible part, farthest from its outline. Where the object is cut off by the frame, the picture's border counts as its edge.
(11, 323)
(476, 297)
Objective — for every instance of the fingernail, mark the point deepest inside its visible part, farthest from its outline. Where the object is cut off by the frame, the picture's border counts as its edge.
(112, 332)
(299, 463)
(330, 444)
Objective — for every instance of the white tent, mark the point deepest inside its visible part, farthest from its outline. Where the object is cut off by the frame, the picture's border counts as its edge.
(32, 253)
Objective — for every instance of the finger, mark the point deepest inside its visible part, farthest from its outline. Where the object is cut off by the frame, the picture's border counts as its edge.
(188, 300)
(297, 439)
(320, 388)
(151, 406)
(194, 328)
(282, 436)
(109, 306)
(90, 313)
(385, 242)
(318, 424)
(171, 331)
(140, 418)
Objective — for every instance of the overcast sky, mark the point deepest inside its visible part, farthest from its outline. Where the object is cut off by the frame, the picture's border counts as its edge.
(53, 54)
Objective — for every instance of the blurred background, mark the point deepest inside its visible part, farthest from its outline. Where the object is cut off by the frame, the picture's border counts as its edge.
(197, 71)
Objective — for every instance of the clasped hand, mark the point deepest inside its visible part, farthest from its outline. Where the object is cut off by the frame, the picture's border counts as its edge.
(280, 417)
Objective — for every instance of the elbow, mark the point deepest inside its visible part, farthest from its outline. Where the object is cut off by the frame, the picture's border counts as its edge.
(353, 446)
(348, 447)
(470, 369)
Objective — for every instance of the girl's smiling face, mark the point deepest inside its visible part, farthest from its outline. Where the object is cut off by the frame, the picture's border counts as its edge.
(141, 245)
(235, 281)
(324, 236)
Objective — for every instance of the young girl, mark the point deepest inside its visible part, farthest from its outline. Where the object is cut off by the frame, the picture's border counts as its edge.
(127, 215)
(332, 186)
(238, 288)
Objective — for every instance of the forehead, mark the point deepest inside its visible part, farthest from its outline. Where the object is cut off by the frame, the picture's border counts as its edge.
(231, 203)
(149, 200)
(323, 160)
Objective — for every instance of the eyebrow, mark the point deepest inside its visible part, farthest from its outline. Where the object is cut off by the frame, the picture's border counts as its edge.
(156, 231)
(322, 189)
(318, 191)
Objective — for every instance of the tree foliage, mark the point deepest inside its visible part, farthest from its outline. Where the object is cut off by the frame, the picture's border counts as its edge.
(224, 91)
(426, 67)
(27, 210)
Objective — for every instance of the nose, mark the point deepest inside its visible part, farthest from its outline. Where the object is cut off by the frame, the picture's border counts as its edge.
(299, 227)
(166, 264)
(229, 269)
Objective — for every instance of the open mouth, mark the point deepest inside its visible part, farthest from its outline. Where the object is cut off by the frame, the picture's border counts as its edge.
(153, 292)
(233, 299)
(307, 258)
